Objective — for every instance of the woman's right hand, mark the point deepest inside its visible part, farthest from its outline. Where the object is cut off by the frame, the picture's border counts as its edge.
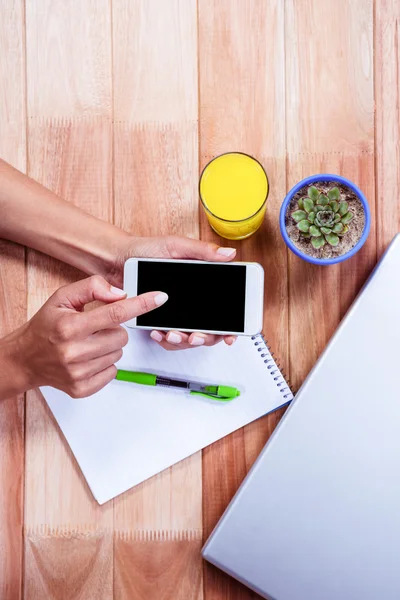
(73, 350)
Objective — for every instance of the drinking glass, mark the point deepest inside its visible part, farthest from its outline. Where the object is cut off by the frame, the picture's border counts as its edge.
(233, 190)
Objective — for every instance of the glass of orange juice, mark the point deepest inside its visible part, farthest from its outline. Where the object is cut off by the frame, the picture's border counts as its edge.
(233, 190)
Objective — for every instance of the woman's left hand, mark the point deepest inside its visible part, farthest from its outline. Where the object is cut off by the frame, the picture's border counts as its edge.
(179, 248)
(89, 244)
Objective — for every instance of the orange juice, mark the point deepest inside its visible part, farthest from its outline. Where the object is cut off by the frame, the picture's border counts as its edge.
(234, 190)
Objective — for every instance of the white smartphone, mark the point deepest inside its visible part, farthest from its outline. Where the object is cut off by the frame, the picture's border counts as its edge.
(221, 298)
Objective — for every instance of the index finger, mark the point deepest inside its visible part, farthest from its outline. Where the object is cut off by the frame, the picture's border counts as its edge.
(116, 313)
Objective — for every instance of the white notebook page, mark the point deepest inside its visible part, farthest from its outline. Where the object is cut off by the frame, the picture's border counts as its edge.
(127, 433)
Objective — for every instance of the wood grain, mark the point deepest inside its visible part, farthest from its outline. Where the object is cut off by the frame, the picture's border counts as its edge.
(330, 128)
(12, 299)
(158, 524)
(69, 544)
(242, 107)
(292, 83)
(387, 99)
(12, 315)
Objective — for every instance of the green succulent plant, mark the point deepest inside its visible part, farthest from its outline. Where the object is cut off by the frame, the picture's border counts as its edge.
(323, 217)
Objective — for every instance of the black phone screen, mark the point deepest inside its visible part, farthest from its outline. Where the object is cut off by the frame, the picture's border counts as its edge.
(201, 296)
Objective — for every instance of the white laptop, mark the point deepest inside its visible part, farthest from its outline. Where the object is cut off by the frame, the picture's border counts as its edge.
(318, 516)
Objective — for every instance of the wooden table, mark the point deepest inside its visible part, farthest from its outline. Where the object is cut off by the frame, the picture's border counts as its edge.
(116, 105)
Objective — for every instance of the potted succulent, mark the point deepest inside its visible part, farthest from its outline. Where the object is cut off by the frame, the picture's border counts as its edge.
(325, 219)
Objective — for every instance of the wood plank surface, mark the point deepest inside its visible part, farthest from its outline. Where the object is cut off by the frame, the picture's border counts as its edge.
(157, 524)
(242, 108)
(329, 129)
(387, 99)
(132, 98)
(68, 547)
(12, 299)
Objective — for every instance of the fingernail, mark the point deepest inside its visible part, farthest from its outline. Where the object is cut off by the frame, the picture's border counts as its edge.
(161, 298)
(117, 291)
(233, 340)
(226, 251)
(197, 340)
(155, 335)
(174, 338)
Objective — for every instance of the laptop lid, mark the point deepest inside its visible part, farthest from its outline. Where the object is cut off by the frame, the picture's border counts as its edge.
(318, 516)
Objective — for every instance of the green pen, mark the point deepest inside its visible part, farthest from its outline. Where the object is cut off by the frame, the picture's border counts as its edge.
(223, 393)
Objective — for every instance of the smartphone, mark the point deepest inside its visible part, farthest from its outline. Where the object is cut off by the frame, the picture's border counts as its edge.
(221, 298)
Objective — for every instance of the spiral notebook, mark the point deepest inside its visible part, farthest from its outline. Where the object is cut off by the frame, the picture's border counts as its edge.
(127, 433)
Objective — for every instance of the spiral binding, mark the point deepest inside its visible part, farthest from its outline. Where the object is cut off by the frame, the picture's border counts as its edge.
(274, 368)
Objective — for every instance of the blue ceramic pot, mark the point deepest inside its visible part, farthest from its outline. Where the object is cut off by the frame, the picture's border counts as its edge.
(310, 181)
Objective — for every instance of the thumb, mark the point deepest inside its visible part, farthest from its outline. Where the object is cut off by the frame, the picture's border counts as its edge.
(182, 247)
(76, 295)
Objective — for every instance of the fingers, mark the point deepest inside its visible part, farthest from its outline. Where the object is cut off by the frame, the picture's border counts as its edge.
(102, 342)
(181, 247)
(177, 340)
(176, 337)
(90, 386)
(171, 340)
(76, 295)
(202, 339)
(120, 312)
(96, 365)
(230, 339)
